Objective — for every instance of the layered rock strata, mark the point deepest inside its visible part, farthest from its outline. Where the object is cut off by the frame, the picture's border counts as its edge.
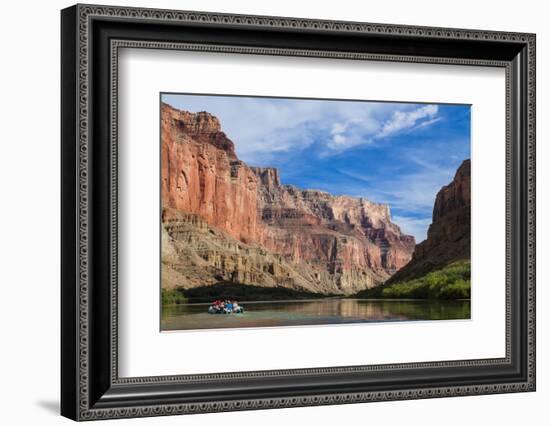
(226, 221)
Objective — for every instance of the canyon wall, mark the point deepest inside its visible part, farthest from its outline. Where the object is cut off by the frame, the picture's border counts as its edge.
(201, 174)
(448, 237)
(226, 221)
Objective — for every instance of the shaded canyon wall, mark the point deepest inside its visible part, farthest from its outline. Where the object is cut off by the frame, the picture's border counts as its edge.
(448, 237)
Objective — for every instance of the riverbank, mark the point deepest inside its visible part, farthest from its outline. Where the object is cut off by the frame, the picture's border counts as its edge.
(240, 292)
(451, 282)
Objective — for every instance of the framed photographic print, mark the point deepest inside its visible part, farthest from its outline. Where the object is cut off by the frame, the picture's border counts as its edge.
(263, 212)
(234, 233)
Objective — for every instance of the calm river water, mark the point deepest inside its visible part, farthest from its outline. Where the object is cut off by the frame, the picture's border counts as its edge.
(312, 312)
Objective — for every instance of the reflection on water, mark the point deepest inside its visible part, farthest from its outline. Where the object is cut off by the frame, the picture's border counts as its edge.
(312, 312)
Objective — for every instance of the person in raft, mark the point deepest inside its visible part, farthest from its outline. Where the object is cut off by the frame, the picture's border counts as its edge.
(225, 306)
(236, 308)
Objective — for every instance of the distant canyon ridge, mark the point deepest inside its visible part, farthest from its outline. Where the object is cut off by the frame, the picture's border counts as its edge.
(225, 221)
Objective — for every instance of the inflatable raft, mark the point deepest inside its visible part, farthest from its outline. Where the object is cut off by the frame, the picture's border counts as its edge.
(219, 309)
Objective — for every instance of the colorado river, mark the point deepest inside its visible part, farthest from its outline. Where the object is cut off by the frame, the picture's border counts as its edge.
(312, 312)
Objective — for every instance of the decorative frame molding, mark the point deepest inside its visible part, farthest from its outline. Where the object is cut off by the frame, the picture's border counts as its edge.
(91, 37)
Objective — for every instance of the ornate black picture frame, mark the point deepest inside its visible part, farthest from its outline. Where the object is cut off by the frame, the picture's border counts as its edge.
(91, 36)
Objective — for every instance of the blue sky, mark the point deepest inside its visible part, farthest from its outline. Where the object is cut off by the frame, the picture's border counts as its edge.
(395, 153)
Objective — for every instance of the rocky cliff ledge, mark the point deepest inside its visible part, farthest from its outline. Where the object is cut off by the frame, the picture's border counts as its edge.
(242, 225)
(449, 234)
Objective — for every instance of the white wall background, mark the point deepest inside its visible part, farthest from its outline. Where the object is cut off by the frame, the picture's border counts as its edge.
(29, 211)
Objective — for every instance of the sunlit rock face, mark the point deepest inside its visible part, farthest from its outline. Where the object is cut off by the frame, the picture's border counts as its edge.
(449, 234)
(226, 221)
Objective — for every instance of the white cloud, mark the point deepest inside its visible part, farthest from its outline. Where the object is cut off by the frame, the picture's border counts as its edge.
(418, 227)
(338, 139)
(426, 123)
(415, 192)
(368, 129)
(260, 126)
(405, 120)
(353, 132)
(256, 124)
(338, 128)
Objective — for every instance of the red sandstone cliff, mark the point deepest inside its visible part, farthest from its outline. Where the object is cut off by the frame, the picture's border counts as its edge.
(449, 234)
(201, 173)
(362, 229)
(224, 220)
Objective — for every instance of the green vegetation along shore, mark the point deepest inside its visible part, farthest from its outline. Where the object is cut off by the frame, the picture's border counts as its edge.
(175, 296)
(447, 283)
(451, 282)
